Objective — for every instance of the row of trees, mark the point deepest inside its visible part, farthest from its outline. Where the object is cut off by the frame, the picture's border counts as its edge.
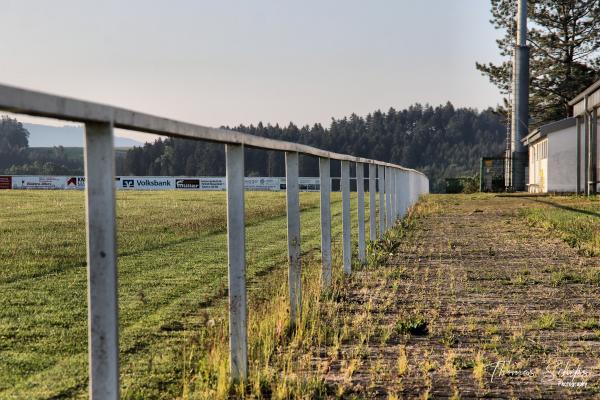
(17, 158)
(564, 44)
(441, 141)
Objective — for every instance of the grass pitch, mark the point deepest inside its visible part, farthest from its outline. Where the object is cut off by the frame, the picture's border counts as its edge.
(172, 270)
(576, 219)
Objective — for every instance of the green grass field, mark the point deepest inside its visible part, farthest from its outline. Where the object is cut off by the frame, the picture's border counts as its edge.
(172, 270)
(576, 219)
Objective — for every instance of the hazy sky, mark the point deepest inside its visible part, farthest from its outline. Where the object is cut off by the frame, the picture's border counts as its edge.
(230, 62)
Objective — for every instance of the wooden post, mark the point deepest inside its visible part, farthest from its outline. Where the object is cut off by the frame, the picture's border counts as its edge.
(372, 204)
(293, 227)
(103, 321)
(360, 193)
(325, 187)
(346, 222)
(236, 252)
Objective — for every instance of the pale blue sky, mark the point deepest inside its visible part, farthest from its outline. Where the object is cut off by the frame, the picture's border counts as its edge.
(230, 62)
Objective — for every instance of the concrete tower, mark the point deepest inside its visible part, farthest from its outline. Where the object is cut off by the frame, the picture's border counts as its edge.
(520, 107)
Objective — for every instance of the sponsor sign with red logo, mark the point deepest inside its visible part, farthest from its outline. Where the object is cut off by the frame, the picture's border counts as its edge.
(5, 182)
(76, 182)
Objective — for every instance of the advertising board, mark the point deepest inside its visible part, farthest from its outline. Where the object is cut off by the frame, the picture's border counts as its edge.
(262, 183)
(5, 182)
(145, 182)
(39, 182)
(75, 182)
(212, 183)
(153, 183)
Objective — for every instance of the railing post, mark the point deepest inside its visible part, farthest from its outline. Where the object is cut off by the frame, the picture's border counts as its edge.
(388, 197)
(346, 235)
(103, 321)
(325, 188)
(293, 228)
(394, 203)
(398, 195)
(236, 252)
(372, 204)
(402, 193)
(381, 185)
(360, 193)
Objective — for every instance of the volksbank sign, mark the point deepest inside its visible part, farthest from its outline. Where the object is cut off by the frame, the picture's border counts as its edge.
(152, 183)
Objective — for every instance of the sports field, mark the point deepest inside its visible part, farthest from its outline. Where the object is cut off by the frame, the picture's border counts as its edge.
(172, 264)
(462, 283)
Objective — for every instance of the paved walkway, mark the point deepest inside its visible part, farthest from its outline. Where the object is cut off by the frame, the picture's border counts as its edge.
(498, 309)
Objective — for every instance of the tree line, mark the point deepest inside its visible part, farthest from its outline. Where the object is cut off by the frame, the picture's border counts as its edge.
(441, 141)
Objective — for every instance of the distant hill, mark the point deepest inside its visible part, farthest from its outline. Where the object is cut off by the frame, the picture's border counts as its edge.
(66, 136)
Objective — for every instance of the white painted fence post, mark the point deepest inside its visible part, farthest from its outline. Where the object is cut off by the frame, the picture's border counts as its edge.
(388, 197)
(360, 193)
(103, 320)
(325, 187)
(346, 222)
(236, 252)
(402, 192)
(398, 195)
(372, 204)
(393, 190)
(381, 185)
(293, 227)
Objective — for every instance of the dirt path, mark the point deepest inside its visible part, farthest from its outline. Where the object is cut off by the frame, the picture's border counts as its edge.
(496, 308)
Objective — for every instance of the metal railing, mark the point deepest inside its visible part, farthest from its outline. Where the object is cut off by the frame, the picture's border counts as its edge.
(399, 188)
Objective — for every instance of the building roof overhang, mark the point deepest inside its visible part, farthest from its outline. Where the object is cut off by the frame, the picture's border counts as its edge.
(543, 131)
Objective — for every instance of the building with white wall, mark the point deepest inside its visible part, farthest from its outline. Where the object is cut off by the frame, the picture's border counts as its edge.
(585, 109)
(553, 157)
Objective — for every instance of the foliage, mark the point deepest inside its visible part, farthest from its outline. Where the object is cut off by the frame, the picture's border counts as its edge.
(14, 139)
(564, 41)
(464, 184)
(440, 141)
(413, 325)
(17, 158)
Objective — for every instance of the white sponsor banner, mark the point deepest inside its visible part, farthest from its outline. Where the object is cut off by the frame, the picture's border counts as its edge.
(212, 183)
(309, 184)
(39, 182)
(306, 184)
(145, 182)
(262, 183)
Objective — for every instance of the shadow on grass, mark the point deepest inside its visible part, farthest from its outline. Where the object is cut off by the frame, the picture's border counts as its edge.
(563, 207)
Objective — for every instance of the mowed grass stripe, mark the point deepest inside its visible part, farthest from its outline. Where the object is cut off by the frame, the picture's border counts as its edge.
(43, 320)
